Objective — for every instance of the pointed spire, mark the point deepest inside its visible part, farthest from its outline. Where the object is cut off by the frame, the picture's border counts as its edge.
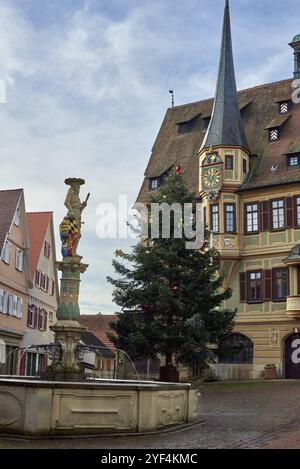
(226, 126)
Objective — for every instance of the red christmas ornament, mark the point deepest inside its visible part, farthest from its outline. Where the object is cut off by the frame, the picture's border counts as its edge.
(146, 308)
(175, 289)
(178, 170)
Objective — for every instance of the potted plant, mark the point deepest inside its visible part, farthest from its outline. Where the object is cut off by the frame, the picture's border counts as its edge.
(271, 371)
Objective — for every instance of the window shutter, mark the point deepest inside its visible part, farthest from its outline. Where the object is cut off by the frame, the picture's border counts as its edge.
(5, 302)
(20, 304)
(9, 252)
(265, 215)
(243, 287)
(10, 304)
(36, 317)
(45, 320)
(1, 301)
(40, 318)
(29, 315)
(290, 219)
(268, 285)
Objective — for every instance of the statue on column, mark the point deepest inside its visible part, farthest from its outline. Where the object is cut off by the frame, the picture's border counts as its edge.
(70, 227)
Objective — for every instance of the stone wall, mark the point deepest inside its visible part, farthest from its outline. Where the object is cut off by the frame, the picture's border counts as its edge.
(39, 408)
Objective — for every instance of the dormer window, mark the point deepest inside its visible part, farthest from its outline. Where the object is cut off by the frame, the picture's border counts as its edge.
(293, 161)
(154, 184)
(273, 135)
(284, 107)
(185, 128)
(206, 122)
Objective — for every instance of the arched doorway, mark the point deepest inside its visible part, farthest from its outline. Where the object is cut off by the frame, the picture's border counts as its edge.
(292, 356)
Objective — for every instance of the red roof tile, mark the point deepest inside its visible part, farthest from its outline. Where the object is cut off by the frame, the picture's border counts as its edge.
(9, 201)
(38, 223)
(98, 324)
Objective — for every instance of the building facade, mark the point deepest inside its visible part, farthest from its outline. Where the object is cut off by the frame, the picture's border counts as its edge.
(241, 152)
(14, 278)
(43, 296)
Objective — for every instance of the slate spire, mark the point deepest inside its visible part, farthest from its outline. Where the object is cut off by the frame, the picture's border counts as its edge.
(226, 126)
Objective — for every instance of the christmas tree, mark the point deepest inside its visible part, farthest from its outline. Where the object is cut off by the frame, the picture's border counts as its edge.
(171, 297)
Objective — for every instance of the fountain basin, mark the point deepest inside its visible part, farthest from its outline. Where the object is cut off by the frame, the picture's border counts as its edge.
(35, 407)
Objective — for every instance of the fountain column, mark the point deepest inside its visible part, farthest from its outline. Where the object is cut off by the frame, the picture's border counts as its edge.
(67, 329)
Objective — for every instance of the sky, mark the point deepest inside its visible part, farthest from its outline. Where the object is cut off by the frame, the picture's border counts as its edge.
(87, 86)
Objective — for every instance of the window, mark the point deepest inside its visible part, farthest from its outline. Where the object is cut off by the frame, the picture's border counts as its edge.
(252, 217)
(229, 218)
(19, 259)
(44, 282)
(293, 161)
(245, 170)
(31, 363)
(52, 287)
(42, 320)
(280, 284)
(273, 135)
(6, 252)
(229, 162)
(255, 286)
(215, 218)
(47, 249)
(185, 127)
(10, 304)
(10, 366)
(278, 221)
(32, 313)
(206, 122)
(297, 203)
(38, 278)
(154, 184)
(235, 349)
(17, 217)
(284, 107)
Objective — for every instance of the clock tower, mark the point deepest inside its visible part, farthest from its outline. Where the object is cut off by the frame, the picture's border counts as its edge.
(224, 155)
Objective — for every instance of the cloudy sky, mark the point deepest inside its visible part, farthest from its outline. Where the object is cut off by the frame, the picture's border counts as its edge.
(87, 88)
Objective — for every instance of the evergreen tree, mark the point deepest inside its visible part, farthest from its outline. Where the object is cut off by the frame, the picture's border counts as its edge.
(171, 297)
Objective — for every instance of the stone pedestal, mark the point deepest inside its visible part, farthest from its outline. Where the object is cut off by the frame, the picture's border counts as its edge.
(67, 335)
(71, 268)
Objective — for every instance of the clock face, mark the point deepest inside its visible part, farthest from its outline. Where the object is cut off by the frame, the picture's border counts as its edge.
(212, 178)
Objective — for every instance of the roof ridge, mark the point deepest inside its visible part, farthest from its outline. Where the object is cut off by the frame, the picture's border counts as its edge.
(35, 213)
(11, 190)
(239, 91)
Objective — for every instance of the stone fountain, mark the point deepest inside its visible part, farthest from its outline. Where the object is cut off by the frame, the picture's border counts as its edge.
(56, 405)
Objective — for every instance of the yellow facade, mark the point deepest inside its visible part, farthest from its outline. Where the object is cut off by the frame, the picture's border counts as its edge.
(266, 323)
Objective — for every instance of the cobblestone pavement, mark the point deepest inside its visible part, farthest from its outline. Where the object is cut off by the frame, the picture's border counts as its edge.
(237, 415)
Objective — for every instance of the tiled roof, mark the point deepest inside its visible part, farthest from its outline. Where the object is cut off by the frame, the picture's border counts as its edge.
(9, 200)
(88, 338)
(37, 223)
(260, 108)
(98, 324)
